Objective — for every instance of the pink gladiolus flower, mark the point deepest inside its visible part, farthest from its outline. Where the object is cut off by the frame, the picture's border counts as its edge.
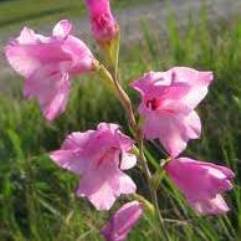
(103, 24)
(122, 222)
(168, 102)
(202, 183)
(47, 63)
(99, 156)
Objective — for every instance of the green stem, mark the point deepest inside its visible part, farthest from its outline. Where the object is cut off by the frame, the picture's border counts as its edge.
(139, 139)
(153, 192)
(138, 135)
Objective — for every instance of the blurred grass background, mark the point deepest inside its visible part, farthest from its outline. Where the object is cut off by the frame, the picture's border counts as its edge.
(37, 202)
(16, 12)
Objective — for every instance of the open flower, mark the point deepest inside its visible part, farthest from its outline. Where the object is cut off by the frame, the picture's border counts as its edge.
(168, 102)
(98, 157)
(47, 63)
(122, 221)
(103, 24)
(202, 183)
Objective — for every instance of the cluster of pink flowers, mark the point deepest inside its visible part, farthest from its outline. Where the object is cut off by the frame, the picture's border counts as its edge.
(100, 157)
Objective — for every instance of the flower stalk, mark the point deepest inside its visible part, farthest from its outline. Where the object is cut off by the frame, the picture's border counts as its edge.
(138, 136)
(167, 112)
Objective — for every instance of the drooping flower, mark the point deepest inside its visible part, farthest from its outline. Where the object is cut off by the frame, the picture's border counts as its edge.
(202, 183)
(168, 102)
(48, 63)
(98, 157)
(122, 222)
(103, 24)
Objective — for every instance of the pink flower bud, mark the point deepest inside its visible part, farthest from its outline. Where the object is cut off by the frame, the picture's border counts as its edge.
(103, 24)
(122, 222)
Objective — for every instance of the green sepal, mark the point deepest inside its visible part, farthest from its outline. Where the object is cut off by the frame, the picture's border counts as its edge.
(148, 206)
(111, 52)
(159, 175)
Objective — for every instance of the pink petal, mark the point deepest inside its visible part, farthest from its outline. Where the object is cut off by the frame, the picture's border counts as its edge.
(71, 155)
(173, 131)
(193, 125)
(103, 187)
(81, 56)
(77, 140)
(171, 100)
(198, 80)
(28, 58)
(128, 161)
(27, 36)
(214, 206)
(31, 51)
(228, 172)
(69, 160)
(112, 132)
(113, 128)
(126, 184)
(157, 79)
(51, 88)
(62, 29)
(20, 60)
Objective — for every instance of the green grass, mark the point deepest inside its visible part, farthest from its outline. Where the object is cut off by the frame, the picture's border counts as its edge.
(37, 202)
